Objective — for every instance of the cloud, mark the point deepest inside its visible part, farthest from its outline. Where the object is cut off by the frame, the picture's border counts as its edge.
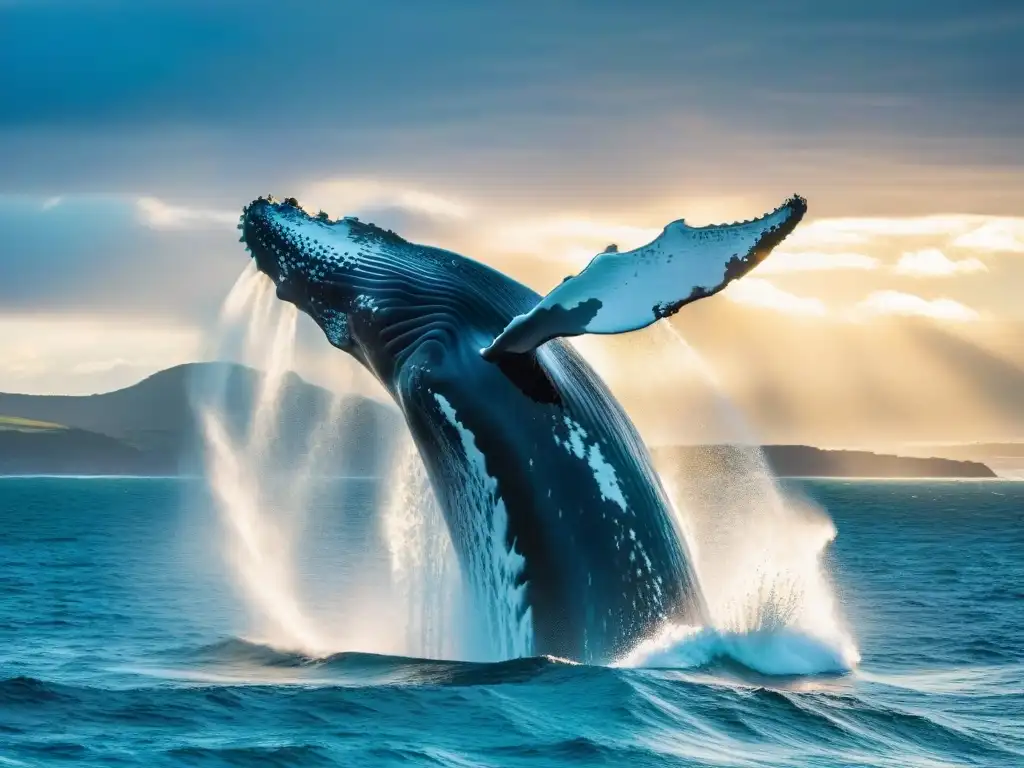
(96, 255)
(1000, 234)
(814, 261)
(572, 238)
(51, 202)
(348, 196)
(911, 305)
(157, 214)
(82, 354)
(931, 262)
(755, 292)
(968, 231)
(857, 231)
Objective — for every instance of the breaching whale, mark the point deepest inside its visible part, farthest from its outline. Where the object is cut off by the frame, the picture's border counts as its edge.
(549, 494)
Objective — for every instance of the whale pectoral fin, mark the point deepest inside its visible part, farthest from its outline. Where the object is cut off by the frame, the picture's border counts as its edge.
(621, 292)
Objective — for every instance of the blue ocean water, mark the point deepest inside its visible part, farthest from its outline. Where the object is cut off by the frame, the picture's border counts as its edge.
(121, 643)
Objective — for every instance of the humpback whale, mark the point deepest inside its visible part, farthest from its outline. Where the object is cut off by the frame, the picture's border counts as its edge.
(550, 496)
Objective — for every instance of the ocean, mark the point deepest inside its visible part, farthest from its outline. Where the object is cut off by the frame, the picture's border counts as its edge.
(124, 641)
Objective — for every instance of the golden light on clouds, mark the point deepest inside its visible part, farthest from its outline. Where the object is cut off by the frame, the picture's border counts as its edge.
(998, 234)
(56, 354)
(853, 231)
(342, 196)
(760, 293)
(782, 262)
(157, 214)
(910, 305)
(931, 262)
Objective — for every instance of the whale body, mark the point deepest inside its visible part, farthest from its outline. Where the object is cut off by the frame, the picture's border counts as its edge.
(555, 510)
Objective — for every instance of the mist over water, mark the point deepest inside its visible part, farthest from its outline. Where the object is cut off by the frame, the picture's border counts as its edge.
(260, 513)
(758, 552)
(428, 584)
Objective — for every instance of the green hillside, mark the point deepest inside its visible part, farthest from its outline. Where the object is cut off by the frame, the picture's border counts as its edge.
(19, 424)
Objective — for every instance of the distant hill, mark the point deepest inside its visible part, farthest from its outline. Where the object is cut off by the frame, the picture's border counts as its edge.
(151, 428)
(804, 461)
(807, 461)
(71, 452)
(154, 427)
(1005, 459)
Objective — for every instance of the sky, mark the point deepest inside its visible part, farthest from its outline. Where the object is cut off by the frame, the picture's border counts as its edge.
(530, 135)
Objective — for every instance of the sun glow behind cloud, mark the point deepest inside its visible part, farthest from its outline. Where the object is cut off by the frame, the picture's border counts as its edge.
(910, 305)
(931, 262)
(160, 215)
(80, 355)
(815, 261)
(994, 235)
(760, 293)
(852, 231)
(343, 196)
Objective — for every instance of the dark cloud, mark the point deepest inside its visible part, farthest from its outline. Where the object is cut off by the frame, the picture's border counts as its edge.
(96, 256)
(111, 256)
(213, 99)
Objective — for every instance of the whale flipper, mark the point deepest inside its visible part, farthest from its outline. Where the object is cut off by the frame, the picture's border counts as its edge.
(620, 292)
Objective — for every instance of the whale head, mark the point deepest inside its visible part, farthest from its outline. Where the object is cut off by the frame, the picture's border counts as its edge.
(374, 294)
(317, 264)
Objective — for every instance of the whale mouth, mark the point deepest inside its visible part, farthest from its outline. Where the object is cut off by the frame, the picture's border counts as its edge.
(278, 237)
(309, 259)
(261, 233)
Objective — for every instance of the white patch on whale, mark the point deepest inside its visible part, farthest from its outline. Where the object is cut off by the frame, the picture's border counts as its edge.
(603, 472)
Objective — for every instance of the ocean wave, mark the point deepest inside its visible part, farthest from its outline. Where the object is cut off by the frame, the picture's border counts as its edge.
(29, 690)
(539, 710)
(776, 652)
(236, 660)
(298, 754)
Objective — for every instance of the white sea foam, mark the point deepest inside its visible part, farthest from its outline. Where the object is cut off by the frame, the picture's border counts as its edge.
(768, 651)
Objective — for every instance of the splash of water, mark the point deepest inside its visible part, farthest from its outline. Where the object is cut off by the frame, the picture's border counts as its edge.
(258, 544)
(422, 610)
(758, 556)
(502, 626)
(425, 573)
